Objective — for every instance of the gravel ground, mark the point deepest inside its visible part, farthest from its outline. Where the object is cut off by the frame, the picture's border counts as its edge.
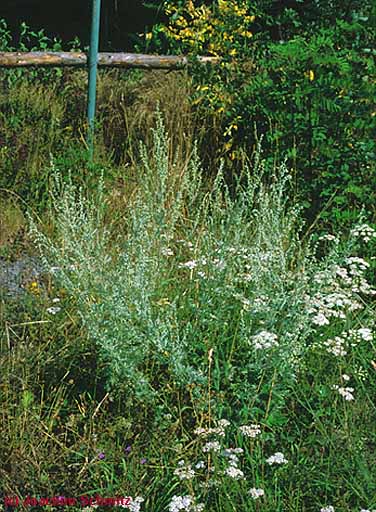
(15, 275)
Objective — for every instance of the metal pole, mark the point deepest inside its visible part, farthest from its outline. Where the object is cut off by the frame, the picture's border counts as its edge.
(93, 64)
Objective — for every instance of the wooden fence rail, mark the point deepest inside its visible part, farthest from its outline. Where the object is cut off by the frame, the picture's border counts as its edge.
(79, 60)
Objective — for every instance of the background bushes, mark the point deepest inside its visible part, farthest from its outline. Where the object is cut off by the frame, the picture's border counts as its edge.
(301, 76)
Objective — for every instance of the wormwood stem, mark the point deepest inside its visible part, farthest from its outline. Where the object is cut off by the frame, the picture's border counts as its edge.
(210, 360)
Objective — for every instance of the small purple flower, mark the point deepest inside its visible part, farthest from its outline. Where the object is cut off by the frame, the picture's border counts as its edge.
(128, 449)
(143, 461)
(101, 456)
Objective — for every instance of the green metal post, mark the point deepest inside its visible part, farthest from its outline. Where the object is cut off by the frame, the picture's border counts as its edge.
(93, 64)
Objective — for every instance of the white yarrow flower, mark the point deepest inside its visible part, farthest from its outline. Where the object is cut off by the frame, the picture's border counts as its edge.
(250, 430)
(180, 503)
(363, 231)
(264, 340)
(365, 334)
(184, 472)
(213, 446)
(53, 310)
(135, 504)
(336, 346)
(320, 319)
(256, 493)
(189, 264)
(185, 503)
(347, 393)
(166, 251)
(328, 237)
(277, 458)
(234, 472)
(224, 423)
(228, 451)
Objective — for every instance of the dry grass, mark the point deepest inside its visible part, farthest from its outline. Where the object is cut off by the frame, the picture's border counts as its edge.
(12, 222)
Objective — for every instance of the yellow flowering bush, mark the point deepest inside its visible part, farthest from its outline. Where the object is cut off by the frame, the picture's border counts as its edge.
(217, 30)
(222, 29)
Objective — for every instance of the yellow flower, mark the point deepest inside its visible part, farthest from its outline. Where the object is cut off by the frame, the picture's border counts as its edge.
(33, 287)
(311, 75)
(182, 22)
(246, 33)
(190, 6)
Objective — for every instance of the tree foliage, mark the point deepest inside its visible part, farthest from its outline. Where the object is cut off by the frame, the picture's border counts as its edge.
(301, 74)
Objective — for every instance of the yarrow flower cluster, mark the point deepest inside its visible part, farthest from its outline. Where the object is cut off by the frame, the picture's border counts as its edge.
(356, 265)
(185, 503)
(328, 237)
(135, 504)
(363, 231)
(250, 430)
(277, 458)
(232, 455)
(256, 493)
(53, 310)
(339, 345)
(335, 346)
(324, 306)
(234, 472)
(320, 319)
(167, 251)
(189, 264)
(265, 340)
(327, 509)
(358, 335)
(219, 431)
(211, 446)
(184, 471)
(339, 286)
(358, 283)
(347, 393)
(224, 423)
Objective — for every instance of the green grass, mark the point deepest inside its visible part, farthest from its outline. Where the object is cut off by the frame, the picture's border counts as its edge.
(183, 302)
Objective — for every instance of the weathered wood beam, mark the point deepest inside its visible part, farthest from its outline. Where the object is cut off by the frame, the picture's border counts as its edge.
(79, 60)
